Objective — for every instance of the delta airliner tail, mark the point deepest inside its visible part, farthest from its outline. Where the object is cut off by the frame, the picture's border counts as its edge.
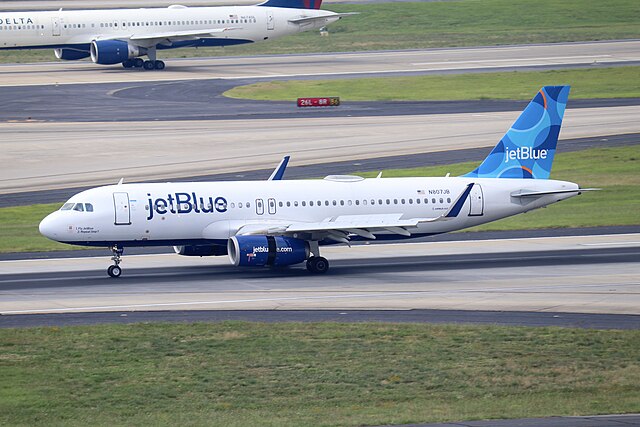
(293, 4)
(528, 147)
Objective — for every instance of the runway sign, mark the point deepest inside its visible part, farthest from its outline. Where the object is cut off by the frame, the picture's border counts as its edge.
(331, 101)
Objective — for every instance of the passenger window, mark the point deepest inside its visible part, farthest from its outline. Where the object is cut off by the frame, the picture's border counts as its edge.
(395, 201)
(388, 201)
(304, 203)
(433, 200)
(311, 203)
(441, 200)
(335, 203)
(295, 203)
(288, 204)
(280, 204)
(402, 201)
(88, 207)
(341, 202)
(357, 202)
(448, 200)
(239, 204)
(410, 201)
(417, 201)
(426, 201)
(373, 202)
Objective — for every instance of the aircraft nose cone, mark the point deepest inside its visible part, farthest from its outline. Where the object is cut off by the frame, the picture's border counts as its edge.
(48, 227)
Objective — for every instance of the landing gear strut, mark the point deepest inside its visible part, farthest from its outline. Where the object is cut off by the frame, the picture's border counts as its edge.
(316, 264)
(115, 270)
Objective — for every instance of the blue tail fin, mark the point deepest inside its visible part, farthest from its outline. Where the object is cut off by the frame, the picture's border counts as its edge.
(293, 4)
(528, 147)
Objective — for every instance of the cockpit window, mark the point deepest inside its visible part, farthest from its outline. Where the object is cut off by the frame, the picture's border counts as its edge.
(79, 207)
(67, 207)
(88, 207)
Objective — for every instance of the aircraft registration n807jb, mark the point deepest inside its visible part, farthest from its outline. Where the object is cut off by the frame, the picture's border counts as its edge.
(281, 223)
(123, 36)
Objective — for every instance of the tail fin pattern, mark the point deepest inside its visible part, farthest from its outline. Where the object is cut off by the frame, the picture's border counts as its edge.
(528, 147)
(293, 4)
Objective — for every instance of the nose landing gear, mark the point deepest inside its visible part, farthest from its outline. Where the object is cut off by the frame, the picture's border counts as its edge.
(115, 270)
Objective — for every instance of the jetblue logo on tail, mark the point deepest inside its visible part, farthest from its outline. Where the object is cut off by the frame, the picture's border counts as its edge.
(528, 147)
(524, 153)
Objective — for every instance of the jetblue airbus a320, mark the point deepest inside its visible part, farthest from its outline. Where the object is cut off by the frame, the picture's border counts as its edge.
(123, 36)
(280, 223)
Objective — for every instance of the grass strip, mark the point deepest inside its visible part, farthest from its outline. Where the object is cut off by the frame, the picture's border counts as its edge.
(327, 374)
(615, 170)
(612, 82)
(383, 26)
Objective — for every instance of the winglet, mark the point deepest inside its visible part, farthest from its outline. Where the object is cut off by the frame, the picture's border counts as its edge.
(278, 172)
(455, 209)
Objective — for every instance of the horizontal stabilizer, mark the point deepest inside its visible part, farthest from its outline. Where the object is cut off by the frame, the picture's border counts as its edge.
(311, 19)
(546, 193)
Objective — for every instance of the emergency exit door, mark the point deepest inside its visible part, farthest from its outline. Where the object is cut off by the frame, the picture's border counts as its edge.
(477, 201)
(122, 210)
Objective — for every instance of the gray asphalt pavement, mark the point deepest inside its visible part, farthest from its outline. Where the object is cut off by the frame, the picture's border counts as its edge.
(203, 100)
(504, 318)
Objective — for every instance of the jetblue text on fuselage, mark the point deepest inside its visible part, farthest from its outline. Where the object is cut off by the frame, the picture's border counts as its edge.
(525, 153)
(15, 21)
(184, 203)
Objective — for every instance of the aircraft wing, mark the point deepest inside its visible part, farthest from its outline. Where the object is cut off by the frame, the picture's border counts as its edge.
(341, 227)
(174, 36)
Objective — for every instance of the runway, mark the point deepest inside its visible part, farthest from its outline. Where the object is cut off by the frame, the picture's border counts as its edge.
(549, 56)
(579, 274)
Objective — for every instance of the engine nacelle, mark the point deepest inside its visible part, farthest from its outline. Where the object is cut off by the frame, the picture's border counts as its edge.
(70, 54)
(200, 250)
(257, 251)
(108, 52)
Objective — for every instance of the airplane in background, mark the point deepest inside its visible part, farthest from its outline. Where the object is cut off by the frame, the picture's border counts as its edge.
(123, 36)
(281, 223)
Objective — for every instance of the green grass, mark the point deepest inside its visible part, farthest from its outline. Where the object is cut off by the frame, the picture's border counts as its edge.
(439, 24)
(618, 82)
(615, 170)
(240, 374)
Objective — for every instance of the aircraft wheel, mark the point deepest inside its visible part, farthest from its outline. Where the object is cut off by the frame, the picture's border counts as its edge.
(127, 63)
(159, 65)
(148, 65)
(138, 62)
(317, 265)
(114, 271)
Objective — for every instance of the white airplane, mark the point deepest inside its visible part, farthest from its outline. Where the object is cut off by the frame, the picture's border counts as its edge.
(281, 223)
(123, 36)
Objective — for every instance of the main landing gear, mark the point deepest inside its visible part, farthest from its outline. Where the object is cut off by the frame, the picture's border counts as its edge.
(315, 263)
(147, 65)
(115, 270)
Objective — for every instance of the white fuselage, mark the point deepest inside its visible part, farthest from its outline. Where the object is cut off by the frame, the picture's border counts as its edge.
(211, 212)
(78, 28)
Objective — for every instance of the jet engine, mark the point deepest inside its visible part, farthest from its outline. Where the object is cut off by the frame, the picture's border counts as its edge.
(200, 250)
(258, 251)
(71, 54)
(108, 52)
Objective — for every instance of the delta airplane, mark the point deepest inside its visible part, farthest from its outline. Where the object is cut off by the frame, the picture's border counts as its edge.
(123, 36)
(281, 223)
